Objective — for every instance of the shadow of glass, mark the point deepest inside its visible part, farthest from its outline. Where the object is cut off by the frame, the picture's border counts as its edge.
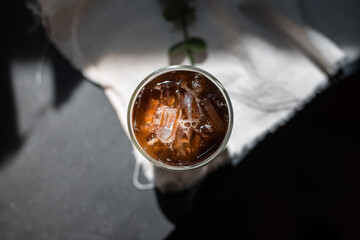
(177, 204)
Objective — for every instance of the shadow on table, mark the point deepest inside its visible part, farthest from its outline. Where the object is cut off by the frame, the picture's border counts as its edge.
(176, 205)
(66, 78)
(10, 139)
(300, 182)
(25, 40)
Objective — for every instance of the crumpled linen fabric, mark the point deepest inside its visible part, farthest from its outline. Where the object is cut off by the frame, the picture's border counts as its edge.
(260, 61)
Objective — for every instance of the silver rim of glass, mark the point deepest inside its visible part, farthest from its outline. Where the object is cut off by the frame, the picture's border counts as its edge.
(170, 69)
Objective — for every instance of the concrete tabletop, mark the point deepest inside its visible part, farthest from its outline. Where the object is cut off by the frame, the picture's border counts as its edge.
(66, 164)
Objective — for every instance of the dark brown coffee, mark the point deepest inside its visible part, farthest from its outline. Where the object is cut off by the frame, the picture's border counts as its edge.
(180, 118)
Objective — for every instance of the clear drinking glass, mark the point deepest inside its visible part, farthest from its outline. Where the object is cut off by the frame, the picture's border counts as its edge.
(151, 77)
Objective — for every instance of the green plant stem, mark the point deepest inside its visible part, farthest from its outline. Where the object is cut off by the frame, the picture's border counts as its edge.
(186, 37)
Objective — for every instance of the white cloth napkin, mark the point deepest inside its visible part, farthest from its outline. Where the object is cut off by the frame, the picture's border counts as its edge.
(267, 58)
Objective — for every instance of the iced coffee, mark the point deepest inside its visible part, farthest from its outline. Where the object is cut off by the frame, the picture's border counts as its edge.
(180, 117)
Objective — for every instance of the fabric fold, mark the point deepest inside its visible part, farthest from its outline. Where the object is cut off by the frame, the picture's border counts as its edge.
(268, 73)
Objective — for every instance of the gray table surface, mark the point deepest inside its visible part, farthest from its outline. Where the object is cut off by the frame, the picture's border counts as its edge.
(66, 164)
(70, 174)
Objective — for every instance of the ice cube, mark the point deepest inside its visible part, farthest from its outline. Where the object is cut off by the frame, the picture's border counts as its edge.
(184, 86)
(170, 100)
(152, 139)
(192, 108)
(206, 129)
(195, 144)
(150, 110)
(166, 130)
(213, 115)
(197, 85)
(182, 150)
(188, 101)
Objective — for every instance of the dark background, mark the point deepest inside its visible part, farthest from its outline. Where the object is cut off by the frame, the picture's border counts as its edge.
(66, 168)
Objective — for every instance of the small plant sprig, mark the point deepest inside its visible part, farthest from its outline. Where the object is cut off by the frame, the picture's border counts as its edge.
(179, 12)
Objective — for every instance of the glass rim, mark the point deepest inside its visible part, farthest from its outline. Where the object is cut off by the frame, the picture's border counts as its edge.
(171, 68)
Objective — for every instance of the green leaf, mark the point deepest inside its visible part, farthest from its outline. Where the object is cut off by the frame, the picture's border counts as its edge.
(196, 44)
(177, 47)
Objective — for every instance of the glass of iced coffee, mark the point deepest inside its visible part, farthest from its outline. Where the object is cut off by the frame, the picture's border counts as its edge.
(180, 117)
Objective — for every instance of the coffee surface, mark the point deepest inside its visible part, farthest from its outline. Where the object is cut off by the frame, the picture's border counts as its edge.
(180, 118)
